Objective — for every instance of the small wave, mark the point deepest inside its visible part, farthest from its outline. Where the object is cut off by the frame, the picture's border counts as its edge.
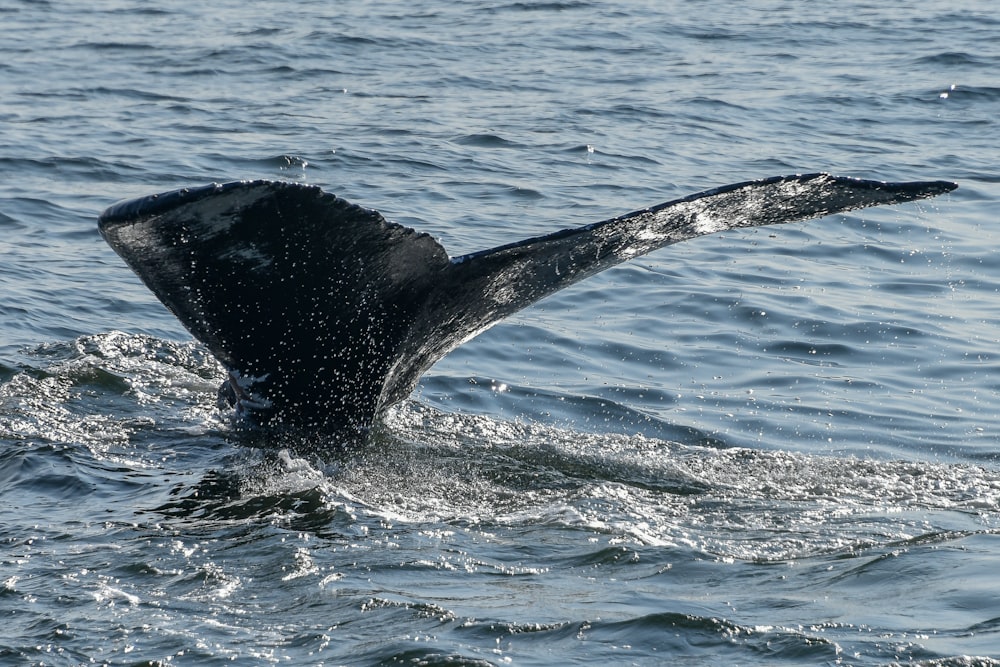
(486, 141)
(86, 168)
(11, 223)
(104, 47)
(950, 59)
(673, 633)
(542, 6)
(331, 39)
(960, 92)
(282, 162)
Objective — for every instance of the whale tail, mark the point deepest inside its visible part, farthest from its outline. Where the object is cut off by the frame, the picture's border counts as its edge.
(325, 314)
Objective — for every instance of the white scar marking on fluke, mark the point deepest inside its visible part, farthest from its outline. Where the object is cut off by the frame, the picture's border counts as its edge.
(248, 254)
(706, 224)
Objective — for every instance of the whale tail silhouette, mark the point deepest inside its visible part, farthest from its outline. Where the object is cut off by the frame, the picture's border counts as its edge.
(325, 314)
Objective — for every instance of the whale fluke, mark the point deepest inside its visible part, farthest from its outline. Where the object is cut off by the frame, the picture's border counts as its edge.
(325, 314)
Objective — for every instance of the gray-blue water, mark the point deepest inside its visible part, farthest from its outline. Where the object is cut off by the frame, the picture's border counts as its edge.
(776, 446)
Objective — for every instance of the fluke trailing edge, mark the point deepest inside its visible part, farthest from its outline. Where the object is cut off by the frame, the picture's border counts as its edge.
(325, 314)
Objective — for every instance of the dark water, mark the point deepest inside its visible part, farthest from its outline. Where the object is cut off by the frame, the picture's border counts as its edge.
(766, 447)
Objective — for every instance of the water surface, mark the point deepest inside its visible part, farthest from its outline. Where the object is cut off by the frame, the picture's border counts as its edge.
(774, 446)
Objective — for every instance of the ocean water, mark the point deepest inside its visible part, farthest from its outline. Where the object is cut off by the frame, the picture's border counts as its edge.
(767, 447)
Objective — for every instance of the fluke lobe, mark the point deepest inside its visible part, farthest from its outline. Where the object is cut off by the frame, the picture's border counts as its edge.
(325, 314)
